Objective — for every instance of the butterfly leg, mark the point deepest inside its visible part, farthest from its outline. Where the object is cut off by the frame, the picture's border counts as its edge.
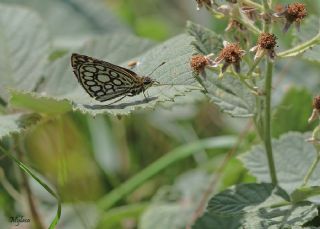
(145, 96)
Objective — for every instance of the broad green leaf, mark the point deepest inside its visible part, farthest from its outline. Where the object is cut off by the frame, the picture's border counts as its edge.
(293, 112)
(38, 104)
(292, 155)
(61, 84)
(74, 18)
(228, 93)
(172, 208)
(231, 96)
(24, 48)
(206, 41)
(211, 221)
(261, 206)
(15, 123)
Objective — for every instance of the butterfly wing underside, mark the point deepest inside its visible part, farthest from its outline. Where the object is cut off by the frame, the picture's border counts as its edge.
(102, 80)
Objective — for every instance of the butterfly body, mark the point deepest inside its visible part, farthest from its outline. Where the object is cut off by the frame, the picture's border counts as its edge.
(105, 81)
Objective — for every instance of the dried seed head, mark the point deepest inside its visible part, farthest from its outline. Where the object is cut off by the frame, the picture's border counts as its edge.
(199, 62)
(267, 41)
(207, 3)
(232, 53)
(316, 103)
(296, 12)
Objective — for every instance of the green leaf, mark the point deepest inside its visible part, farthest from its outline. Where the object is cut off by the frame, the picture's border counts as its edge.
(15, 123)
(304, 193)
(292, 155)
(228, 93)
(61, 84)
(24, 48)
(34, 102)
(173, 207)
(210, 221)
(261, 206)
(206, 41)
(292, 113)
(72, 19)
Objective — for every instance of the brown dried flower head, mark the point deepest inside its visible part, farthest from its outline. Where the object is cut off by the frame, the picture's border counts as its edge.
(293, 13)
(231, 54)
(199, 62)
(206, 3)
(267, 41)
(316, 103)
(266, 44)
(316, 109)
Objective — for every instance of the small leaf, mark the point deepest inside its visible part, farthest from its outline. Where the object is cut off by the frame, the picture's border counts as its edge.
(24, 48)
(304, 193)
(206, 41)
(15, 123)
(292, 155)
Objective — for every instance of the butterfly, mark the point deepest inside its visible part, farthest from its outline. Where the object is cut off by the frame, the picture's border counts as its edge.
(105, 81)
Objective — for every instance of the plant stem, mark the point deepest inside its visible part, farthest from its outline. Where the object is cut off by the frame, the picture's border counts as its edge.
(301, 48)
(311, 170)
(267, 124)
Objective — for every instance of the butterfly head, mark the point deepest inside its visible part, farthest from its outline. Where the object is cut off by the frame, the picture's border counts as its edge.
(148, 82)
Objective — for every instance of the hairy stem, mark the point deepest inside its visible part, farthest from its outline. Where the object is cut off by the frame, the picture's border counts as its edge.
(267, 124)
(300, 48)
(311, 170)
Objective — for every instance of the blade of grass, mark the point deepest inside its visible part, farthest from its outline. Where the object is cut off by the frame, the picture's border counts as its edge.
(45, 186)
(171, 157)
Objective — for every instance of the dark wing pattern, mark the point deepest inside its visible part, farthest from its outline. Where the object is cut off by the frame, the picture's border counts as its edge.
(102, 80)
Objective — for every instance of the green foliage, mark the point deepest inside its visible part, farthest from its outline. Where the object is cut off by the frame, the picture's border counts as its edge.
(256, 206)
(293, 111)
(173, 206)
(293, 156)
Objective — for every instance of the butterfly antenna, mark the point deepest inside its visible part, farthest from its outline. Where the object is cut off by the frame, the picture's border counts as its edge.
(156, 68)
